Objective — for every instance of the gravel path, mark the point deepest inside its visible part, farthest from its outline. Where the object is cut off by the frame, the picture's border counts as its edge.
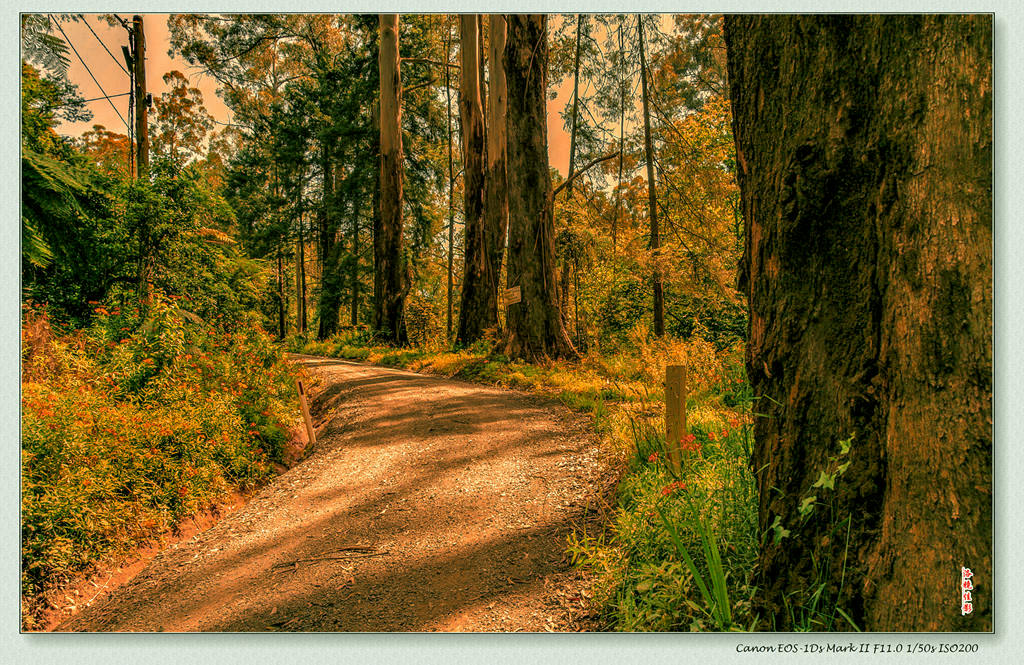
(429, 505)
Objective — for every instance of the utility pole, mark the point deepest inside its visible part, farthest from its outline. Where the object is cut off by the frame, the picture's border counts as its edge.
(141, 99)
(142, 157)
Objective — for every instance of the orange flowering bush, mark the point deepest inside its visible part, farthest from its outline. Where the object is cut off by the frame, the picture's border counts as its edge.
(133, 424)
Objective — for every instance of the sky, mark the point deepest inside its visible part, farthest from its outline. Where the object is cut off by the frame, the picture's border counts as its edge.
(112, 78)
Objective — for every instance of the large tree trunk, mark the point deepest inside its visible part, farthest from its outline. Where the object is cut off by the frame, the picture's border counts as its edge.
(535, 329)
(478, 308)
(652, 195)
(496, 208)
(865, 146)
(389, 278)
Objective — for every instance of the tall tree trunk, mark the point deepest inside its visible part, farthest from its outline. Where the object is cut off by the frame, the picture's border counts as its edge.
(575, 105)
(300, 273)
(496, 208)
(622, 140)
(478, 309)
(864, 146)
(576, 301)
(324, 215)
(280, 295)
(451, 184)
(652, 195)
(481, 67)
(389, 312)
(329, 303)
(375, 217)
(566, 270)
(354, 269)
(535, 328)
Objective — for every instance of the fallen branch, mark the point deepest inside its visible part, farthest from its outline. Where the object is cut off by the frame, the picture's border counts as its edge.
(345, 557)
(355, 548)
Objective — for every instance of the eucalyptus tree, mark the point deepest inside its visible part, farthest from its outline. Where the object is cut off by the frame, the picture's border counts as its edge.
(535, 327)
(864, 146)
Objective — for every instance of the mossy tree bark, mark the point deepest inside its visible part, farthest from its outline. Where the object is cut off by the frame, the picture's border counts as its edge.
(535, 328)
(864, 147)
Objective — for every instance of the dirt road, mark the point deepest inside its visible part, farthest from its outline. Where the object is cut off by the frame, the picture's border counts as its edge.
(428, 505)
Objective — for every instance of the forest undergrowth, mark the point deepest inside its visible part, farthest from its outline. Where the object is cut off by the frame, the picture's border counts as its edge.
(677, 549)
(133, 424)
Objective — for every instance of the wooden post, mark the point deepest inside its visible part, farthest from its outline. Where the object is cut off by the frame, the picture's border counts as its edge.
(675, 413)
(305, 412)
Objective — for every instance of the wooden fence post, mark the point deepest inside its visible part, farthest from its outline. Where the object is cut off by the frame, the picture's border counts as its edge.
(305, 412)
(675, 413)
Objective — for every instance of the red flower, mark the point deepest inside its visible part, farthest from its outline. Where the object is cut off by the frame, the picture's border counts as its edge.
(711, 436)
(672, 487)
(653, 457)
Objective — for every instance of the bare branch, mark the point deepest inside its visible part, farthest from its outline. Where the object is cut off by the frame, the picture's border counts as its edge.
(585, 167)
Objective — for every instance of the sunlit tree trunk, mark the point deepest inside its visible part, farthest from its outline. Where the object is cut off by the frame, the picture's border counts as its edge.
(389, 278)
(864, 146)
(496, 209)
(477, 309)
(535, 328)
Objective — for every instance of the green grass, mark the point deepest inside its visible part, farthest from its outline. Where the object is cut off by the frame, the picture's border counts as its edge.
(679, 549)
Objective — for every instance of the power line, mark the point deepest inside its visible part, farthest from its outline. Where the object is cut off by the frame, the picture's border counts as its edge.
(104, 46)
(96, 99)
(68, 40)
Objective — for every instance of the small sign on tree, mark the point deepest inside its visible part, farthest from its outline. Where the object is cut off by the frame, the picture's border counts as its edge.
(513, 295)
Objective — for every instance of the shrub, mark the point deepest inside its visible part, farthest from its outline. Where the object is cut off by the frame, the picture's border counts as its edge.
(135, 423)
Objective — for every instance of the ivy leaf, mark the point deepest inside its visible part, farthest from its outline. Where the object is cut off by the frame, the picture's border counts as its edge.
(780, 531)
(825, 481)
(807, 505)
(842, 468)
(845, 445)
